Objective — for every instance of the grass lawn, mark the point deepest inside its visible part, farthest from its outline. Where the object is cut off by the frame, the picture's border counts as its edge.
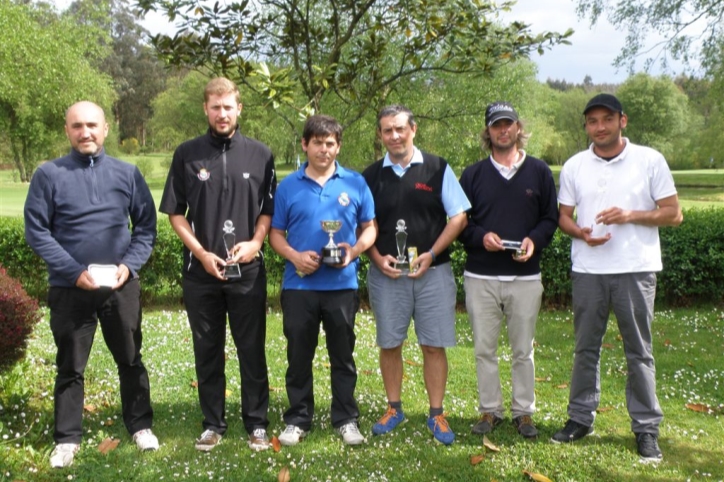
(688, 346)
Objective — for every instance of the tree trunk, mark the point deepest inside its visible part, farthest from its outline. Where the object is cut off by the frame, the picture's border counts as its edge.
(17, 160)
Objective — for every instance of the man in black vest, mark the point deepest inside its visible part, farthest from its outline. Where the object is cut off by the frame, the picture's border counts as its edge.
(415, 193)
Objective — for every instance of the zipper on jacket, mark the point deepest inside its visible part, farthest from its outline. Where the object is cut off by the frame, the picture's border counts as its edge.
(94, 183)
(223, 163)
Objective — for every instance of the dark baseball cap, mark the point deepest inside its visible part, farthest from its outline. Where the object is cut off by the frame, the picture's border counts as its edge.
(607, 101)
(499, 110)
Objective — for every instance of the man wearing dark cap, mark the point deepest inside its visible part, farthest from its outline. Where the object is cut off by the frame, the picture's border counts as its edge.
(621, 193)
(513, 198)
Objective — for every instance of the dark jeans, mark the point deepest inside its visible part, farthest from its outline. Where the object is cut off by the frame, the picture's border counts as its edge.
(303, 312)
(74, 316)
(207, 305)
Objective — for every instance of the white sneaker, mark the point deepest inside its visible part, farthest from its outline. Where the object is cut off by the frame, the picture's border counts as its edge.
(145, 440)
(63, 454)
(258, 440)
(208, 440)
(350, 434)
(292, 435)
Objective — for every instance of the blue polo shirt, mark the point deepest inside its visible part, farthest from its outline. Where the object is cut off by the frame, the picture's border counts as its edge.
(301, 204)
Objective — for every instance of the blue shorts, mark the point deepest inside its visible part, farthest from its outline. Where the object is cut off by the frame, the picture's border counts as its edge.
(429, 300)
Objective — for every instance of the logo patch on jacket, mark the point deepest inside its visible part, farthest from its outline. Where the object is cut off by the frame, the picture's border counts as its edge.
(423, 187)
(343, 199)
(203, 175)
(245, 175)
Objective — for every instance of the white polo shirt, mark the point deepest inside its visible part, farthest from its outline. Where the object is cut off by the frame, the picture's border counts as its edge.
(634, 180)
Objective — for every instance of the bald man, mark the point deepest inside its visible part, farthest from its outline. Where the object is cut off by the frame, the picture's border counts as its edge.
(76, 219)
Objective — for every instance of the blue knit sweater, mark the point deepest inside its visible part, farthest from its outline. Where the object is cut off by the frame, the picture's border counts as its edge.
(79, 210)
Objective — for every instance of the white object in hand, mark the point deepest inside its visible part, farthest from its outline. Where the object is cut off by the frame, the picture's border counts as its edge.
(104, 274)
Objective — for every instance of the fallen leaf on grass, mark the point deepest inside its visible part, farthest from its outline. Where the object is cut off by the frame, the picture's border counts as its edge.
(667, 342)
(275, 389)
(284, 475)
(541, 379)
(413, 363)
(227, 393)
(108, 422)
(690, 364)
(562, 385)
(619, 337)
(607, 345)
(699, 407)
(489, 445)
(194, 384)
(368, 372)
(90, 408)
(476, 459)
(604, 409)
(108, 445)
(276, 444)
(537, 477)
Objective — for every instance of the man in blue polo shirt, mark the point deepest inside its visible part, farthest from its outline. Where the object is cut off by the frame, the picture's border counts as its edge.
(314, 291)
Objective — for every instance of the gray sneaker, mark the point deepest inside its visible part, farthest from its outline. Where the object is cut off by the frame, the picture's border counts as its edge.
(291, 435)
(350, 434)
(208, 440)
(258, 440)
(63, 455)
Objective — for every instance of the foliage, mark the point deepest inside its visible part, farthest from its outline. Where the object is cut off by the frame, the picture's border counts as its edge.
(19, 313)
(178, 113)
(138, 75)
(659, 115)
(683, 24)
(45, 65)
(130, 146)
(692, 255)
(298, 54)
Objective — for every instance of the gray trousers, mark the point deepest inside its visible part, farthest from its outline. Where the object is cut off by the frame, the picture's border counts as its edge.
(631, 295)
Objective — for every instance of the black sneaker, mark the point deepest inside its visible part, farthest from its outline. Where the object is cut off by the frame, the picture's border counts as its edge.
(486, 424)
(648, 447)
(525, 426)
(571, 432)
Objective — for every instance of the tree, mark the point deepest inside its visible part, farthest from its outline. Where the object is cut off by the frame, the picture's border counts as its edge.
(299, 54)
(659, 115)
(682, 23)
(138, 76)
(44, 69)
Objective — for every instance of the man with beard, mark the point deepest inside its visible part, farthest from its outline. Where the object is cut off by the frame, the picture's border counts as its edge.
(318, 290)
(621, 193)
(513, 198)
(219, 198)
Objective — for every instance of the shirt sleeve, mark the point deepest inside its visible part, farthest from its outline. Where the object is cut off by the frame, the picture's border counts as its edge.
(142, 212)
(270, 187)
(567, 191)
(662, 181)
(174, 200)
(367, 203)
(39, 211)
(280, 218)
(453, 197)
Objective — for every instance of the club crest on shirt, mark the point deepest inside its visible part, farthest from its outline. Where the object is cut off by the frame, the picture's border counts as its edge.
(246, 175)
(203, 175)
(343, 199)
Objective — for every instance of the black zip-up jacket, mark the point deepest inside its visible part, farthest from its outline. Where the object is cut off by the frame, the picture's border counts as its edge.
(214, 179)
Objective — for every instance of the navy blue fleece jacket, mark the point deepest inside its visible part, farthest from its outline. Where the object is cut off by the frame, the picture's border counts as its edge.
(78, 212)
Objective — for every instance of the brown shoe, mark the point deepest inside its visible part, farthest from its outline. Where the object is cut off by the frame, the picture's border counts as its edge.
(486, 424)
(525, 426)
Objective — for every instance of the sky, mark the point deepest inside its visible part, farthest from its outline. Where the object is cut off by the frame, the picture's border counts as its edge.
(592, 51)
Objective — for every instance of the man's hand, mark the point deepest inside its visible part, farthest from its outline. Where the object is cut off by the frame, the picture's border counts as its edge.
(245, 252)
(613, 215)
(86, 282)
(529, 248)
(492, 242)
(213, 264)
(387, 264)
(306, 262)
(122, 274)
(349, 255)
(420, 265)
(590, 240)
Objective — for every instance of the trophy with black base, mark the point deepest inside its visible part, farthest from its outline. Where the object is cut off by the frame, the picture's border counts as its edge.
(231, 270)
(331, 253)
(401, 239)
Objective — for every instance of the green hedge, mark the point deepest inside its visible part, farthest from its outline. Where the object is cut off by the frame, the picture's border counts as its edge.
(693, 256)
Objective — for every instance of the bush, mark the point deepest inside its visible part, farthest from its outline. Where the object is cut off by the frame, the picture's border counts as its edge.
(130, 146)
(693, 257)
(18, 315)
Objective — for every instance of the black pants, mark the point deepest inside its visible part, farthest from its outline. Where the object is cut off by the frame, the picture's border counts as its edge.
(74, 316)
(207, 305)
(303, 312)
